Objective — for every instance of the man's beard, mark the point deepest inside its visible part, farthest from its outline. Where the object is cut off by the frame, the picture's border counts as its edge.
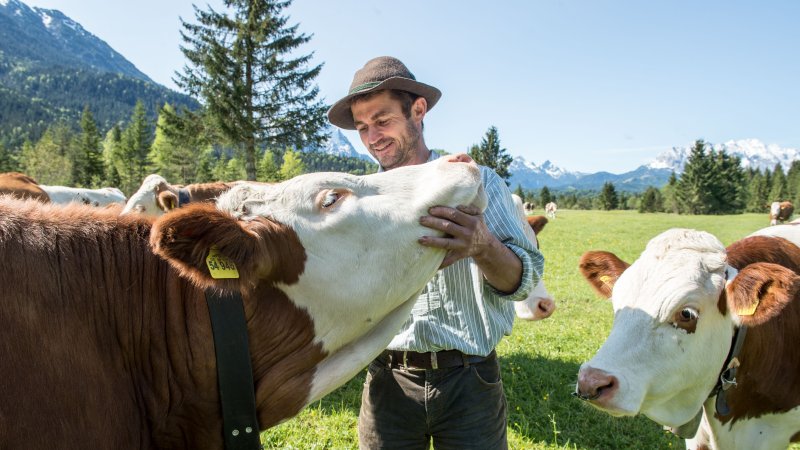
(405, 151)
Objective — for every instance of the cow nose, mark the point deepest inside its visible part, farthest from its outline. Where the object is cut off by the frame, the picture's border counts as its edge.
(595, 385)
(545, 307)
(459, 157)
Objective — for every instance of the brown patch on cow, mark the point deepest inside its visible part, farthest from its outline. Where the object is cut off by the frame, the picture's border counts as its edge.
(602, 269)
(261, 249)
(537, 223)
(201, 192)
(95, 328)
(795, 437)
(22, 186)
(167, 200)
(768, 380)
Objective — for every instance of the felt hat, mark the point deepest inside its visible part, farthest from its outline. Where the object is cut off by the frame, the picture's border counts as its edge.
(383, 72)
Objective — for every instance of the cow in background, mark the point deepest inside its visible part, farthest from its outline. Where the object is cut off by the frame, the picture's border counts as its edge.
(156, 196)
(528, 207)
(106, 339)
(539, 304)
(674, 352)
(22, 186)
(95, 197)
(780, 212)
(550, 210)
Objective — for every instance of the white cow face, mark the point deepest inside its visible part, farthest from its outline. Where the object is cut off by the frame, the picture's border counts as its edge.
(145, 200)
(669, 339)
(360, 235)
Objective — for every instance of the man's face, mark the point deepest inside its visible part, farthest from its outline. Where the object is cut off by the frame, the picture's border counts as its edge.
(389, 136)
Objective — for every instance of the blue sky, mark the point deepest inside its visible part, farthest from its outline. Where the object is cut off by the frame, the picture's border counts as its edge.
(589, 85)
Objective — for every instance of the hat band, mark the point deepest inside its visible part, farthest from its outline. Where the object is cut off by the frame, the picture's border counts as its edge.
(364, 87)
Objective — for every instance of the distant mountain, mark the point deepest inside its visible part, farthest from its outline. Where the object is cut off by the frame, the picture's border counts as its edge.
(752, 152)
(51, 67)
(338, 145)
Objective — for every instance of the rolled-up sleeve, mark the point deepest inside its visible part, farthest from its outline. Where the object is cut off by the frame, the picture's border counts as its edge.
(501, 219)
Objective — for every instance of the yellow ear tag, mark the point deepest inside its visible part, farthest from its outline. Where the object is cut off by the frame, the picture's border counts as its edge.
(220, 265)
(606, 280)
(749, 311)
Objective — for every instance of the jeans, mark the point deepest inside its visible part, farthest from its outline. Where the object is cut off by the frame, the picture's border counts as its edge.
(455, 408)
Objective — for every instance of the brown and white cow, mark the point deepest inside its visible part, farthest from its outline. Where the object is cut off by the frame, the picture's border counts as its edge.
(539, 304)
(106, 341)
(156, 196)
(780, 212)
(22, 186)
(676, 311)
(550, 210)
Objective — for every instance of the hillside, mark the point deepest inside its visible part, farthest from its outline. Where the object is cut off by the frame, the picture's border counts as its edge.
(51, 67)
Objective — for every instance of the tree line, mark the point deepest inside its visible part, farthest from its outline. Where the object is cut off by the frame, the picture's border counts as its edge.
(712, 182)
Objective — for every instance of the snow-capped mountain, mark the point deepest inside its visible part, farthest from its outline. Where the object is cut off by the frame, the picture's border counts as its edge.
(752, 152)
(338, 144)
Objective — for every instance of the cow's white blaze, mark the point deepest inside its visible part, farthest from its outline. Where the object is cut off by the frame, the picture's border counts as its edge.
(360, 236)
(663, 371)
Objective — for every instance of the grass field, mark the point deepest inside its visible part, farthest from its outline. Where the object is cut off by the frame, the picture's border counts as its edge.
(540, 360)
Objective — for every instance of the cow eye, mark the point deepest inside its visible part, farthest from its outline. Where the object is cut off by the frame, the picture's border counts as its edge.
(685, 319)
(330, 198)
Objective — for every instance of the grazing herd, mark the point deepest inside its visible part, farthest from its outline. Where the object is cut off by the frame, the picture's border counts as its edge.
(105, 325)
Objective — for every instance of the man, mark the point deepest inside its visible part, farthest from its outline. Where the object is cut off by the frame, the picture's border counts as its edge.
(439, 378)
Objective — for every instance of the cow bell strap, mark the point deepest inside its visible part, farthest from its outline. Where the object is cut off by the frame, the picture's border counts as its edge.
(183, 197)
(236, 386)
(727, 378)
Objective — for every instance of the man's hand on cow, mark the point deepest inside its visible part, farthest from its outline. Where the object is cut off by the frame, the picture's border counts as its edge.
(466, 234)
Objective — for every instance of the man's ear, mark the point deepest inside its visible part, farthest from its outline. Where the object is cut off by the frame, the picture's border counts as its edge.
(602, 269)
(418, 109)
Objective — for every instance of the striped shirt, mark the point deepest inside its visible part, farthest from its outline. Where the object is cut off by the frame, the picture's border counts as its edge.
(458, 309)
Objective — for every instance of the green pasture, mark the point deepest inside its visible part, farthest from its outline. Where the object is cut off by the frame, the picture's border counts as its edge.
(540, 360)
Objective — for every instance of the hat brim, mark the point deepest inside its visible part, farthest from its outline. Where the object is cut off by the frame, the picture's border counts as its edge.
(341, 116)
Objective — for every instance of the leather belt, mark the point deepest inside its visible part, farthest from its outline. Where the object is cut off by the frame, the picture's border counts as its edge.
(431, 360)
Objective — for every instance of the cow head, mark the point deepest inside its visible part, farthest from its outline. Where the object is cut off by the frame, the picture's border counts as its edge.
(154, 198)
(675, 311)
(539, 304)
(342, 247)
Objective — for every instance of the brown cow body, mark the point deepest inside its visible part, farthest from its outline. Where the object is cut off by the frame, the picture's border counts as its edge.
(106, 340)
(780, 212)
(22, 186)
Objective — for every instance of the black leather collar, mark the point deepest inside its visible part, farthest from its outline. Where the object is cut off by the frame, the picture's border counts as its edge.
(234, 371)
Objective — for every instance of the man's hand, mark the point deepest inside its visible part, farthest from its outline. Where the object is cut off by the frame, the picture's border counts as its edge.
(466, 232)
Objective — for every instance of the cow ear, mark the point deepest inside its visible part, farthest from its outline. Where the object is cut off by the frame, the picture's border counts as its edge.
(167, 200)
(760, 291)
(207, 246)
(601, 270)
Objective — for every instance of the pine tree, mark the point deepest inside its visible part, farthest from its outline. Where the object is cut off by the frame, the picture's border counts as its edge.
(693, 190)
(778, 191)
(90, 169)
(268, 169)
(48, 161)
(757, 191)
(256, 90)
(490, 154)
(133, 165)
(670, 198)
(292, 165)
(608, 197)
(793, 182)
(112, 151)
(8, 160)
(545, 196)
(170, 157)
(727, 183)
(651, 201)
